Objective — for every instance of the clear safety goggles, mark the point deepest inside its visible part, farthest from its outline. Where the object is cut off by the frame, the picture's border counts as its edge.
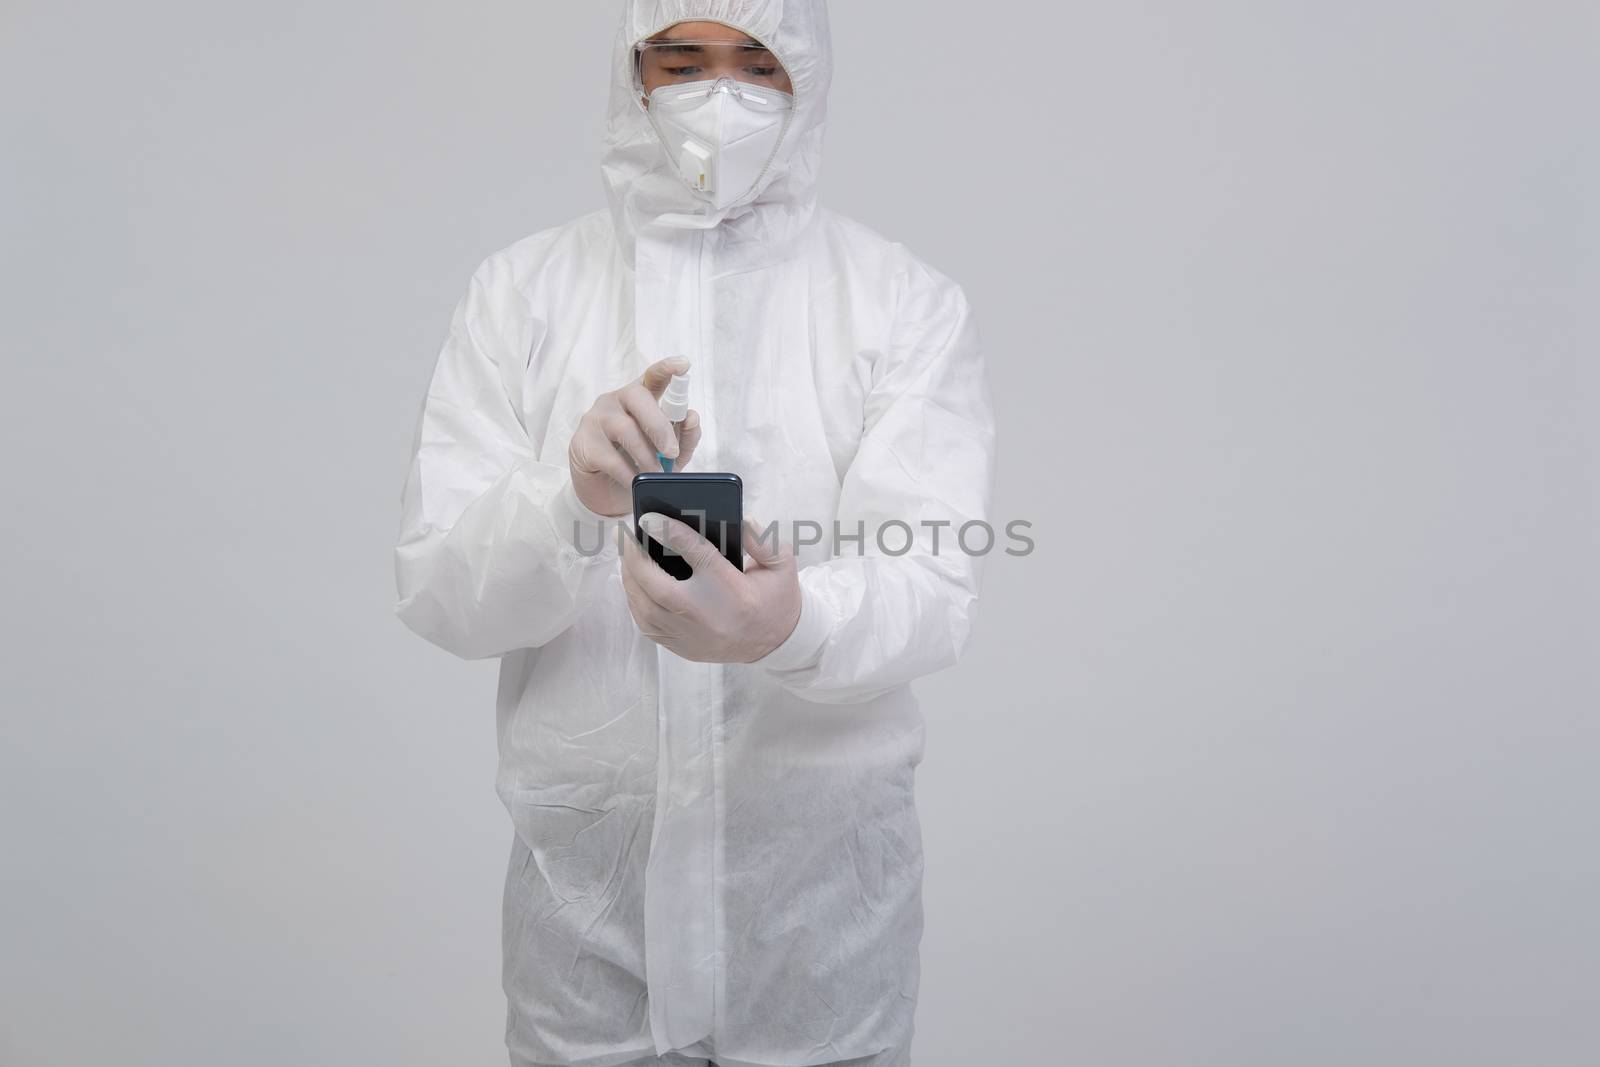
(657, 64)
(756, 98)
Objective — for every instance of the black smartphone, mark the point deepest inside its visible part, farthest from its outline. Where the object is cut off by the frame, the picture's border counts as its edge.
(710, 503)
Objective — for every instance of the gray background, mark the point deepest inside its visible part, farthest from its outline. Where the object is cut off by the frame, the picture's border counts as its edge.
(1281, 749)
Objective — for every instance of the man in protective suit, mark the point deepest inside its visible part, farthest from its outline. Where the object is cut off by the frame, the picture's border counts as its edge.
(716, 852)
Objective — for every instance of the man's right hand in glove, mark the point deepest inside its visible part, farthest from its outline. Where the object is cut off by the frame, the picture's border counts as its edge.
(622, 434)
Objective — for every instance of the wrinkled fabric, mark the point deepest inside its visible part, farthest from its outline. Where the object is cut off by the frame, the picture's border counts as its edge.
(717, 861)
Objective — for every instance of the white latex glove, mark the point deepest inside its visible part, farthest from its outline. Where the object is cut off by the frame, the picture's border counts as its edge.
(720, 615)
(621, 435)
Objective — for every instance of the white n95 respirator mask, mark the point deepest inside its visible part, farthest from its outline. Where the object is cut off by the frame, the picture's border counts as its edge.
(720, 136)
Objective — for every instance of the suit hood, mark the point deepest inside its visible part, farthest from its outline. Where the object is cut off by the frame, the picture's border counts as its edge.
(645, 191)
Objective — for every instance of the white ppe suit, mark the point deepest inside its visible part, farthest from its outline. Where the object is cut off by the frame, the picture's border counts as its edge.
(711, 860)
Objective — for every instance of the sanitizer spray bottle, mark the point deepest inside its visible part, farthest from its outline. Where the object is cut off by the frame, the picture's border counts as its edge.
(675, 405)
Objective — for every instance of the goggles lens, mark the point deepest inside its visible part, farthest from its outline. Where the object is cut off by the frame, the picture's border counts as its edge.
(678, 62)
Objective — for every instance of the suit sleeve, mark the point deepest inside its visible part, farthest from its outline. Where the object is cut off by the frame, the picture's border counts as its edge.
(900, 604)
(496, 553)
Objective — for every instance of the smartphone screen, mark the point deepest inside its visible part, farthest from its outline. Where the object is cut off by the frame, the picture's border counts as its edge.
(710, 503)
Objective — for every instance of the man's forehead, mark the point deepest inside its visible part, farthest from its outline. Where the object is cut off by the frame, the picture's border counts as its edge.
(706, 31)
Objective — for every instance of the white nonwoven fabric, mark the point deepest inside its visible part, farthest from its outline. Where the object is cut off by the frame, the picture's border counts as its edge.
(712, 861)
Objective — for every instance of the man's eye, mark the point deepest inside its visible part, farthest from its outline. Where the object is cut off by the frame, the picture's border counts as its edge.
(762, 72)
(682, 72)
